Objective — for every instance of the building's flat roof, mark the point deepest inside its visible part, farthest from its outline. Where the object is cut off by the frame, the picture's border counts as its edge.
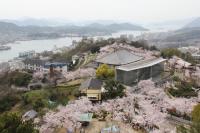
(141, 64)
(120, 57)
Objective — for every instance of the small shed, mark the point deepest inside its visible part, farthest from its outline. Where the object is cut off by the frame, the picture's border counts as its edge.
(35, 86)
(29, 115)
(86, 118)
(92, 87)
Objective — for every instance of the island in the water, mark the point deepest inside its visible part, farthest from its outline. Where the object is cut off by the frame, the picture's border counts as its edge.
(10, 32)
(2, 48)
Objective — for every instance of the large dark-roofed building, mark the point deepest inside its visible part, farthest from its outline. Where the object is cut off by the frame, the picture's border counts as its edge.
(120, 57)
(130, 68)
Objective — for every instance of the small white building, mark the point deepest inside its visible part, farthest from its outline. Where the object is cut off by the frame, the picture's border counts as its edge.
(4, 67)
(29, 115)
(194, 51)
(27, 54)
(44, 65)
(124, 36)
(74, 44)
(16, 65)
(196, 56)
(35, 64)
(130, 37)
(75, 58)
(190, 49)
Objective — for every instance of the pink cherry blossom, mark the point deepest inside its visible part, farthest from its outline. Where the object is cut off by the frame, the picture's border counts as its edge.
(146, 107)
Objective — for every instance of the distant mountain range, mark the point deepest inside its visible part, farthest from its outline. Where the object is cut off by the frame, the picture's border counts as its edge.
(187, 35)
(190, 31)
(170, 24)
(10, 32)
(30, 29)
(116, 27)
(37, 22)
(184, 34)
(193, 24)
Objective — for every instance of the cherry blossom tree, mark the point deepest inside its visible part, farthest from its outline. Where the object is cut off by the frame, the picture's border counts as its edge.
(66, 116)
(138, 51)
(38, 75)
(80, 73)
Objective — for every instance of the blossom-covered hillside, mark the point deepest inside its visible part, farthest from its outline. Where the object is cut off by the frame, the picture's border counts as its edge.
(147, 109)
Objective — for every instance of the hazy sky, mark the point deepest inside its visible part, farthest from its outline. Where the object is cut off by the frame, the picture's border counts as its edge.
(131, 10)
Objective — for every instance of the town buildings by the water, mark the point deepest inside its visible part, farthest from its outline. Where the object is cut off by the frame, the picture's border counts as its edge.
(27, 54)
(194, 51)
(2, 47)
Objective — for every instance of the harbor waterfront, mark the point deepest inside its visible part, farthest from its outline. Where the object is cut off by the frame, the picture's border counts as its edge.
(36, 45)
(49, 44)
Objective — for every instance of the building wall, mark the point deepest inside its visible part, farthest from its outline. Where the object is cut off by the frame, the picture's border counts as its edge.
(196, 57)
(126, 77)
(134, 76)
(93, 94)
(44, 69)
(157, 69)
(34, 67)
(63, 69)
(16, 65)
(144, 73)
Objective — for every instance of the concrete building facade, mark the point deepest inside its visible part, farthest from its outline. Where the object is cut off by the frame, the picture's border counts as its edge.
(131, 68)
(133, 73)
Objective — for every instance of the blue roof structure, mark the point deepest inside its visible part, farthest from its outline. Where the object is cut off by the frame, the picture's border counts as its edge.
(54, 64)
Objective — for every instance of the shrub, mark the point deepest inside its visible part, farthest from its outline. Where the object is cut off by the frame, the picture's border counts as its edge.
(19, 79)
(184, 90)
(7, 102)
(170, 52)
(12, 123)
(176, 78)
(95, 49)
(196, 113)
(141, 44)
(39, 104)
(105, 72)
(195, 126)
(113, 89)
(35, 96)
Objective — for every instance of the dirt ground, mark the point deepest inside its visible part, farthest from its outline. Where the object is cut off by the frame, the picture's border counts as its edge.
(95, 127)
